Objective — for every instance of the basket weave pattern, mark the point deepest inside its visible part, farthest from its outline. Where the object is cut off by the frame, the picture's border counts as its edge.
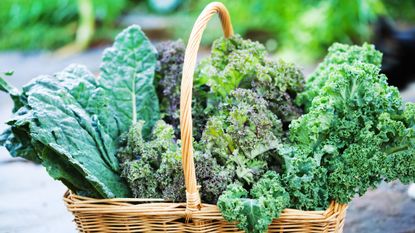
(127, 215)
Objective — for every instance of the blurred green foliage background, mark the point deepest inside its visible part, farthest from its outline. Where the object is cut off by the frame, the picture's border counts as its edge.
(49, 24)
(301, 27)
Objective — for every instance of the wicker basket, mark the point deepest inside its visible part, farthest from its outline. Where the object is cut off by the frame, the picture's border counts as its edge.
(153, 215)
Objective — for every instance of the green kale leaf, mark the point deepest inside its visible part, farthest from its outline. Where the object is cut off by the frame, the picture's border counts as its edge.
(255, 212)
(70, 122)
(57, 121)
(304, 179)
(356, 126)
(238, 63)
(398, 134)
(243, 135)
(337, 54)
(13, 92)
(167, 80)
(127, 73)
(153, 168)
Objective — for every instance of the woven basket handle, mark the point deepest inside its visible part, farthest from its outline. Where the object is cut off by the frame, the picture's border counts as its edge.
(192, 192)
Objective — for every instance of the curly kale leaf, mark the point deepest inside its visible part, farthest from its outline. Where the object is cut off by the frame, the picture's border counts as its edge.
(232, 60)
(142, 159)
(254, 212)
(167, 80)
(304, 179)
(355, 124)
(237, 63)
(243, 135)
(278, 83)
(338, 54)
(398, 134)
(153, 168)
(212, 177)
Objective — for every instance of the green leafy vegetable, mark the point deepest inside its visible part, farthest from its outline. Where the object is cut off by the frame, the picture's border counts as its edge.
(153, 168)
(304, 179)
(127, 74)
(167, 80)
(337, 54)
(243, 135)
(254, 212)
(356, 126)
(400, 154)
(57, 121)
(237, 63)
(70, 122)
(13, 92)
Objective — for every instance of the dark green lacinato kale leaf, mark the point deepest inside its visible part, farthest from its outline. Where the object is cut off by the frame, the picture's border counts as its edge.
(356, 124)
(17, 143)
(337, 54)
(83, 86)
(58, 168)
(243, 135)
(127, 73)
(167, 80)
(17, 140)
(65, 137)
(237, 63)
(70, 122)
(254, 212)
(153, 168)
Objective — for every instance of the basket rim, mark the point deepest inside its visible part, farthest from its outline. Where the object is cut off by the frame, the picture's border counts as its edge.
(140, 206)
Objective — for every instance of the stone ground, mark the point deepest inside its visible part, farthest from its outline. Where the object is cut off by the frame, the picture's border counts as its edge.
(31, 202)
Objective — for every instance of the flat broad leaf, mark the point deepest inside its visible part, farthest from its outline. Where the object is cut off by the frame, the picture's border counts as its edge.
(79, 82)
(61, 124)
(127, 73)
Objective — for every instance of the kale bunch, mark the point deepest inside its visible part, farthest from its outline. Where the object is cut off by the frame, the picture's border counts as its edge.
(212, 177)
(356, 126)
(254, 211)
(278, 83)
(337, 54)
(167, 80)
(356, 132)
(243, 135)
(70, 121)
(238, 63)
(399, 133)
(144, 162)
(153, 168)
(303, 178)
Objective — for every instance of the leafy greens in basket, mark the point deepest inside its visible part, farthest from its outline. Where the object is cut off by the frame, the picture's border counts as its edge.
(355, 132)
(265, 139)
(70, 122)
